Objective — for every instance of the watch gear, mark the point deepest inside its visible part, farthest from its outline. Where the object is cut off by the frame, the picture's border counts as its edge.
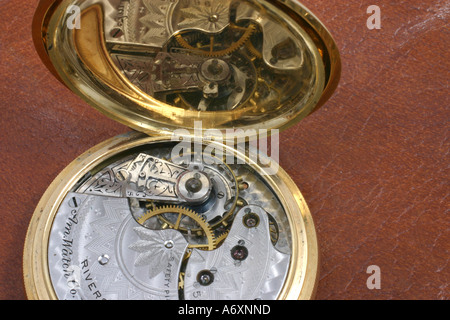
(213, 47)
(181, 217)
(226, 186)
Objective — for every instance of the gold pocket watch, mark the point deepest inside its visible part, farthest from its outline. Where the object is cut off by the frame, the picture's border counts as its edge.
(183, 207)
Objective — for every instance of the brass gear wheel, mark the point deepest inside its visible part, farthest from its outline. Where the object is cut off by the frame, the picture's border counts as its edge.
(208, 51)
(203, 230)
(253, 51)
(221, 238)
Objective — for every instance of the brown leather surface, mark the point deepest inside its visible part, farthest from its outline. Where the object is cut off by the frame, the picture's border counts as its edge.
(372, 164)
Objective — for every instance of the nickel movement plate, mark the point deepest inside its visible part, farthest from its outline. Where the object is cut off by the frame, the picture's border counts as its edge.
(140, 217)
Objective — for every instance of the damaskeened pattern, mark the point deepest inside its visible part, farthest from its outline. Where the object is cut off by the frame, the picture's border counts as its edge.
(221, 233)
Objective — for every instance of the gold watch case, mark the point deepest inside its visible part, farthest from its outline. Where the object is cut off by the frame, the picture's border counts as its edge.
(160, 66)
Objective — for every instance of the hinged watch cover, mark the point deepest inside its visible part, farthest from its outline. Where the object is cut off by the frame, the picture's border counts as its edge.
(159, 65)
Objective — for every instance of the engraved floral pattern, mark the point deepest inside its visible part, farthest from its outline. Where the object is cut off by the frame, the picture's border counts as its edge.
(211, 16)
(157, 248)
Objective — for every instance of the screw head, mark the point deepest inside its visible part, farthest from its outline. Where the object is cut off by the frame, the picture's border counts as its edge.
(251, 220)
(194, 185)
(239, 253)
(205, 278)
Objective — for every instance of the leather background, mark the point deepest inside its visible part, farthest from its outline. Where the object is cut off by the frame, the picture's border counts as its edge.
(372, 164)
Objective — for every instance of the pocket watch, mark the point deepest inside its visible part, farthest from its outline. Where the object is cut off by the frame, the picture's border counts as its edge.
(183, 207)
